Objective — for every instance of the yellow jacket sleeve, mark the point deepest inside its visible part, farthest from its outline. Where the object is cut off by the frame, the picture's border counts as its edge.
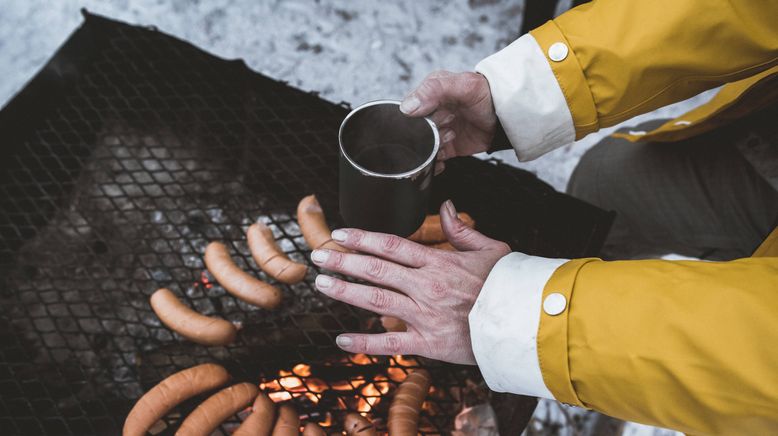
(630, 57)
(687, 345)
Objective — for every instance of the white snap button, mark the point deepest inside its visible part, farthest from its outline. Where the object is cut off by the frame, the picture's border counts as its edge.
(637, 132)
(557, 52)
(554, 304)
(682, 123)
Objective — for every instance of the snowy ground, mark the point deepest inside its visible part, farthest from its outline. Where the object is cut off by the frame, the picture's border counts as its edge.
(347, 50)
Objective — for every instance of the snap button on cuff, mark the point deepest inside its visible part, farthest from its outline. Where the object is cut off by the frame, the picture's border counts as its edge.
(557, 52)
(554, 304)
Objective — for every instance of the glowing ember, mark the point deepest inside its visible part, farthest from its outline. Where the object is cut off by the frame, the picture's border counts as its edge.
(362, 359)
(291, 383)
(396, 374)
(327, 421)
(366, 394)
(204, 280)
(279, 397)
(372, 393)
(405, 361)
(302, 370)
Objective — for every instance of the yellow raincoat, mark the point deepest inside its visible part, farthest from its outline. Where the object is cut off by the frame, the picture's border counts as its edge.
(691, 346)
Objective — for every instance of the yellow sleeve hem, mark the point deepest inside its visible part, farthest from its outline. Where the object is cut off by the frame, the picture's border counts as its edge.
(572, 81)
(552, 335)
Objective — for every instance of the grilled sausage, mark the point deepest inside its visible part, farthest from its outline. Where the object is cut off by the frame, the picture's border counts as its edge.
(270, 258)
(357, 425)
(288, 423)
(431, 230)
(313, 429)
(218, 407)
(170, 392)
(238, 282)
(261, 420)
(183, 320)
(405, 409)
(313, 225)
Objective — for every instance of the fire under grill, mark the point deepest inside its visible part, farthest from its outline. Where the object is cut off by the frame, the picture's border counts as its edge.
(122, 159)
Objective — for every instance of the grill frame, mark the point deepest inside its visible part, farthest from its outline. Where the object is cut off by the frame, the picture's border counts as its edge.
(93, 128)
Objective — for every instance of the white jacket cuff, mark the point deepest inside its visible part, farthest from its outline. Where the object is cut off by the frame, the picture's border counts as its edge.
(528, 99)
(504, 324)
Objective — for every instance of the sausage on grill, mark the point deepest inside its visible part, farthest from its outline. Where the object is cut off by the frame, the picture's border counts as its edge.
(218, 407)
(357, 425)
(238, 282)
(288, 423)
(313, 225)
(406, 405)
(261, 420)
(431, 231)
(186, 322)
(270, 258)
(170, 392)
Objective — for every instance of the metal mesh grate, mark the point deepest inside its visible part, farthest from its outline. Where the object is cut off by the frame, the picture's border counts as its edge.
(121, 160)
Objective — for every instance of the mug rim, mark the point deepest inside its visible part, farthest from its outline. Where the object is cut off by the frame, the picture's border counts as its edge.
(403, 175)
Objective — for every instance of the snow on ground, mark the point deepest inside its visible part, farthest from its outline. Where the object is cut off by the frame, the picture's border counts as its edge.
(347, 50)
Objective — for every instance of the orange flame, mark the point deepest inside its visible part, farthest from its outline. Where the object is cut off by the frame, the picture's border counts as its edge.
(362, 359)
(368, 393)
(372, 394)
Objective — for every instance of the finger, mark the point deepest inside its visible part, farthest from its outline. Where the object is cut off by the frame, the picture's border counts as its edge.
(382, 344)
(439, 167)
(386, 246)
(428, 95)
(440, 73)
(439, 89)
(380, 301)
(445, 152)
(369, 268)
(447, 136)
(461, 236)
(442, 117)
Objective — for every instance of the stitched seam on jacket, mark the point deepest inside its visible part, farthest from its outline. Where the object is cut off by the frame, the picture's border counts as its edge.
(568, 381)
(596, 121)
(567, 331)
(607, 118)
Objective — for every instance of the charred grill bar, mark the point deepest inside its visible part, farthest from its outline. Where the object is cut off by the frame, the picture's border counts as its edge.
(122, 159)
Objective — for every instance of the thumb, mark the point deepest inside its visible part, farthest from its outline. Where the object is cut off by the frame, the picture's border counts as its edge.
(462, 237)
(432, 92)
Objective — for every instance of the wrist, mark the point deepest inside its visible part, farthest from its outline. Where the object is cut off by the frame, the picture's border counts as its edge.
(500, 140)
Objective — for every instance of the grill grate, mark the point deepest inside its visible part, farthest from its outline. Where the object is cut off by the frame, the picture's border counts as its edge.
(122, 159)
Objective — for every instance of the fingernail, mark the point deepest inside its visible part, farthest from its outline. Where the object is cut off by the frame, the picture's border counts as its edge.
(452, 211)
(320, 256)
(449, 136)
(448, 119)
(410, 104)
(323, 282)
(343, 341)
(339, 235)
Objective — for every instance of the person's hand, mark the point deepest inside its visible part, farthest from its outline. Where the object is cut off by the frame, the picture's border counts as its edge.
(461, 105)
(431, 290)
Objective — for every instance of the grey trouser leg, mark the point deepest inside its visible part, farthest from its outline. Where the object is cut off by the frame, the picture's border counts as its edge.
(697, 197)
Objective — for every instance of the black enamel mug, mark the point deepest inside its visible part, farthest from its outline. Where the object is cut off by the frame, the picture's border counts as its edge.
(386, 168)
